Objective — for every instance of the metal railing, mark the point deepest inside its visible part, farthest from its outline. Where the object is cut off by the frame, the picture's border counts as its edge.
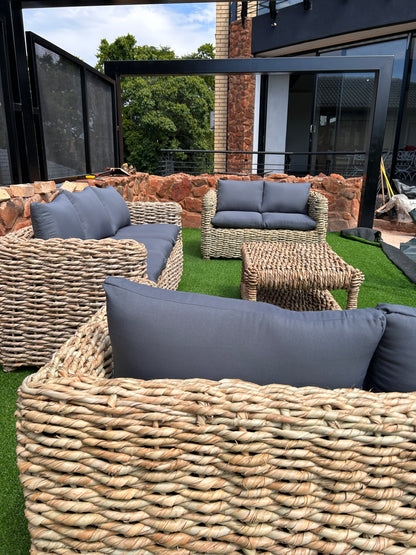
(239, 162)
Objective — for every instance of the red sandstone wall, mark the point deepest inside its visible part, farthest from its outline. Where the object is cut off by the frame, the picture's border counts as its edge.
(241, 93)
(343, 195)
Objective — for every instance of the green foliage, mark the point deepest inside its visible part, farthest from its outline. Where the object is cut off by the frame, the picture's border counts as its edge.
(161, 112)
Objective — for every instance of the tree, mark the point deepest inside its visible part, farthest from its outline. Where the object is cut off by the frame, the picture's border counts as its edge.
(161, 112)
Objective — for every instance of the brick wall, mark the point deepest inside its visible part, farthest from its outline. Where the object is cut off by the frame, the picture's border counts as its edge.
(343, 195)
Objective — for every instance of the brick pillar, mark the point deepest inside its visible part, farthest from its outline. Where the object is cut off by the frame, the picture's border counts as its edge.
(241, 95)
(221, 85)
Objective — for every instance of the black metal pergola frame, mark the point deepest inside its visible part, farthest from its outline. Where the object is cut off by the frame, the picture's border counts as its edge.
(15, 80)
(380, 66)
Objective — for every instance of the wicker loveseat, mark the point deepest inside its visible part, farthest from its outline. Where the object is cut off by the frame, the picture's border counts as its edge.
(133, 466)
(218, 241)
(49, 287)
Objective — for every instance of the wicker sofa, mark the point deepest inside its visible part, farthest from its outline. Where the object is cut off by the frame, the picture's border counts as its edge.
(49, 287)
(225, 242)
(133, 466)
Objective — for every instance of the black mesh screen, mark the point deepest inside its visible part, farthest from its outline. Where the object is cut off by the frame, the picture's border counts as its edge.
(5, 177)
(100, 122)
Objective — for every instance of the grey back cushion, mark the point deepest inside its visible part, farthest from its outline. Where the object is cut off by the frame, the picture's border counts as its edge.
(239, 195)
(94, 216)
(393, 367)
(286, 197)
(157, 333)
(56, 219)
(116, 206)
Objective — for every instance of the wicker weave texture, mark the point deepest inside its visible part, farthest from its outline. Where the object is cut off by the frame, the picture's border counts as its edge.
(191, 466)
(226, 242)
(48, 288)
(297, 268)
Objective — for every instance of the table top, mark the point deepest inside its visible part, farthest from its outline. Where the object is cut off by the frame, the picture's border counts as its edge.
(299, 265)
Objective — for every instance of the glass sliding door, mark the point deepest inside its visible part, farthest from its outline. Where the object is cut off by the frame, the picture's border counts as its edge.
(341, 122)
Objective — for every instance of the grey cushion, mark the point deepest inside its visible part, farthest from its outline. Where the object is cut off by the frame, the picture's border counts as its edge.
(286, 197)
(94, 216)
(393, 367)
(284, 220)
(237, 219)
(116, 207)
(158, 247)
(156, 333)
(239, 195)
(169, 232)
(56, 219)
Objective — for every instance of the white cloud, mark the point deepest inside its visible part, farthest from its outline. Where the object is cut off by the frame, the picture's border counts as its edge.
(182, 27)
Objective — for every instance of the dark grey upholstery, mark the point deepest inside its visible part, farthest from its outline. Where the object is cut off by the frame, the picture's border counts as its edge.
(286, 197)
(158, 239)
(263, 205)
(94, 216)
(116, 207)
(284, 220)
(239, 195)
(238, 219)
(169, 232)
(157, 333)
(393, 367)
(56, 219)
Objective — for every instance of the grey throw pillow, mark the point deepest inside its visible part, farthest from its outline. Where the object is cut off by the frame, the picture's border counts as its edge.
(94, 216)
(393, 367)
(156, 333)
(56, 219)
(286, 197)
(116, 206)
(239, 195)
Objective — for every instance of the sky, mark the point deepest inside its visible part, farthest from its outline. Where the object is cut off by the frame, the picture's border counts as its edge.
(182, 27)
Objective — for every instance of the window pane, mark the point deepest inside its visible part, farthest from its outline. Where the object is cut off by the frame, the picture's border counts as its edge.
(406, 156)
(5, 177)
(100, 123)
(62, 116)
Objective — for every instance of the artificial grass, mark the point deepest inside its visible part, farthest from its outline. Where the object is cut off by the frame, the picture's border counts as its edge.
(383, 283)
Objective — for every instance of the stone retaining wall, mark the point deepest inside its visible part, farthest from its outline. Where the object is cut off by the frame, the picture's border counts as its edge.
(343, 195)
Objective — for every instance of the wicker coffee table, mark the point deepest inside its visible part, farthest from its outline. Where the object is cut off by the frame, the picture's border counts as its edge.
(297, 276)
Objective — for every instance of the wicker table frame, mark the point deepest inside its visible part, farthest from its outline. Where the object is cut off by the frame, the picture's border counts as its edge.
(192, 466)
(297, 276)
(217, 242)
(49, 288)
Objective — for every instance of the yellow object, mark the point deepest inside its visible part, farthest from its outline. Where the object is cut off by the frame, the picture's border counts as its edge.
(90, 176)
(384, 175)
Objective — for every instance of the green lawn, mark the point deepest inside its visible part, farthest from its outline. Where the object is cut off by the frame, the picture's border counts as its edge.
(383, 283)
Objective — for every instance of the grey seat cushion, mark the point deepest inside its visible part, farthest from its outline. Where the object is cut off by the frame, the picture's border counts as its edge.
(116, 206)
(156, 333)
(286, 197)
(238, 219)
(169, 232)
(239, 195)
(56, 219)
(393, 367)
(159, 240)
(94, 216)
(284, 220)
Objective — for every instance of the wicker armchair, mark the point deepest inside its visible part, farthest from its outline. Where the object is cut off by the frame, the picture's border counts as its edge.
(226, 242)
(193, 466)
(48, 288)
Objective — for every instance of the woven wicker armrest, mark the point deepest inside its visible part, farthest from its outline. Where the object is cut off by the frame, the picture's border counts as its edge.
(155, 212)
(209, 207)
(210, 467)
(318, 210)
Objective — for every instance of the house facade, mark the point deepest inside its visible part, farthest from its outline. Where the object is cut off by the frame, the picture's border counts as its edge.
(302, 124)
